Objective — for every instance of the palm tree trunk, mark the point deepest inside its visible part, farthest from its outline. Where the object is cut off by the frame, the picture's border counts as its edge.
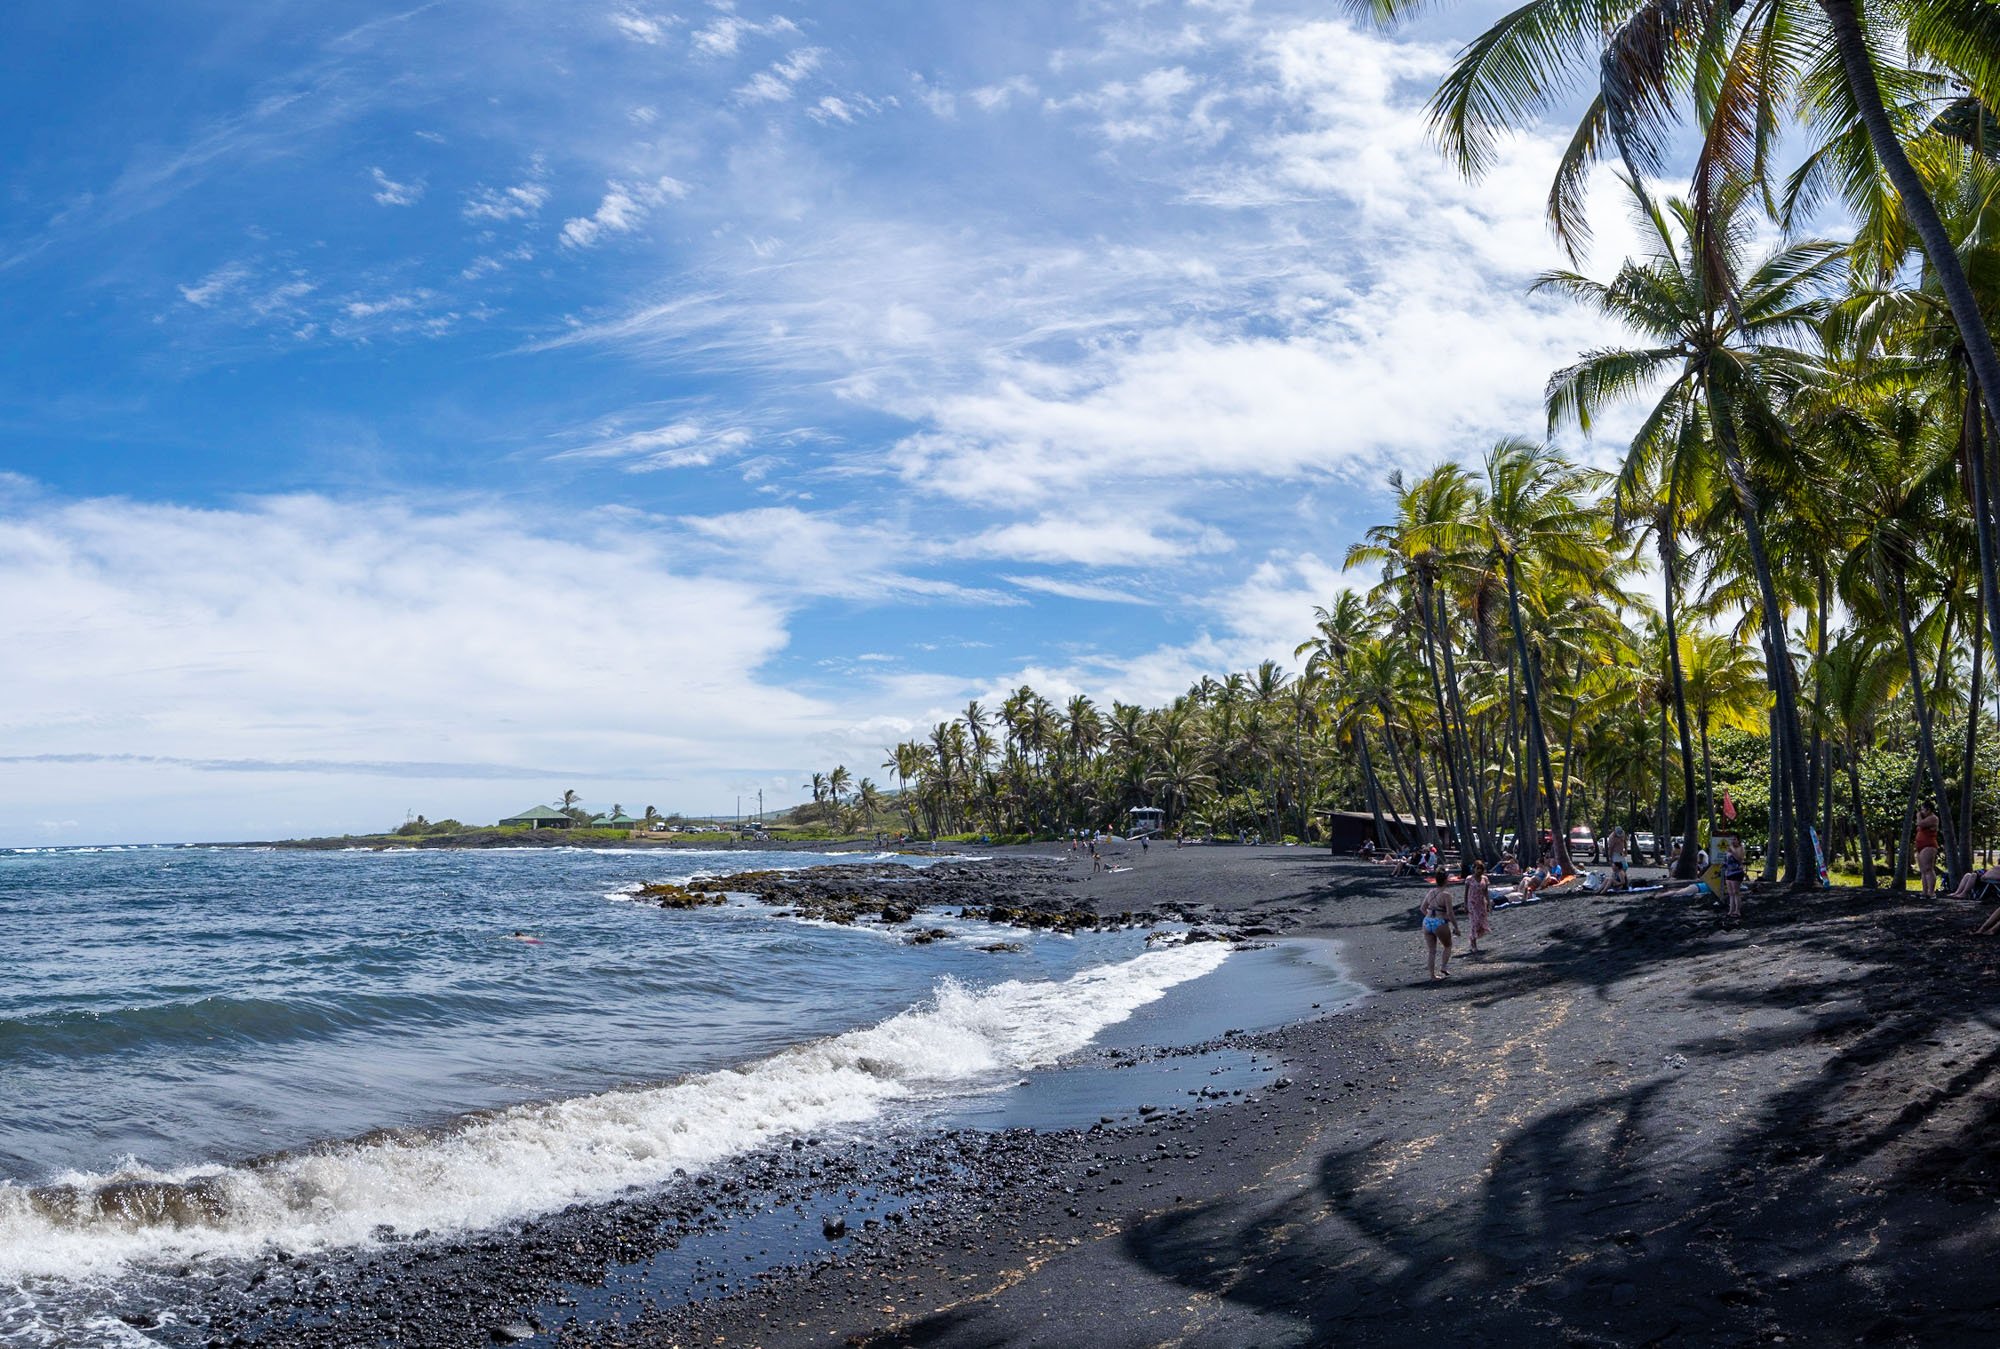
(1670, 567)
(1471, 817)
(1429, 597)
(1368, 781)
(1868, 876)
(1784, 684)
(1660, 816)
(1396, 762)
(1531, 700)
(1707, 772)
(1778, 812)
(1962, 857)
(1916, 203)
(1926, 743)
(1902, 876)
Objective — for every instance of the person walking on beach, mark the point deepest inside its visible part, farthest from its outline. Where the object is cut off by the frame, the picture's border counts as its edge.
(1735, 865)
(1438, 926)
(1617, 851)
(1478, 904)
(1927, 848)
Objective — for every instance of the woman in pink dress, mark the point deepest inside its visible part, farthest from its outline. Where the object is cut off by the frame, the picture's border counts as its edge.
(1478, 903)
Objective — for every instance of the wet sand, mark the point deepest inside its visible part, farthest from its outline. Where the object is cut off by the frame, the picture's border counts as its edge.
(1623, 1123)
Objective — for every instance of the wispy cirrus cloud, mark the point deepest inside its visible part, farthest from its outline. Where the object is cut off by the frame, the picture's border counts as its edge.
(520, 201)
(623, 208)
(389, 192)
(776, 83)
(646, 28)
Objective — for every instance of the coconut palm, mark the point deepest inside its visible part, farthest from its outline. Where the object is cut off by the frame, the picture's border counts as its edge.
(1725, 687)
(1726, 351)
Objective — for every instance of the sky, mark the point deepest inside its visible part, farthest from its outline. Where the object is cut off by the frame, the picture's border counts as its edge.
(431, 408)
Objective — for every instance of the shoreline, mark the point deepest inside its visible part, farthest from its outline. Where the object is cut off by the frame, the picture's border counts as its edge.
(1625, 1123)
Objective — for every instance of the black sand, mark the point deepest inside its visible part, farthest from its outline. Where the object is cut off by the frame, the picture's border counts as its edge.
(1623, 1124)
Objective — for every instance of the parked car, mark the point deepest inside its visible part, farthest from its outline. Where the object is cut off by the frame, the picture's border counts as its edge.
(1582, 842)
(1645, 845)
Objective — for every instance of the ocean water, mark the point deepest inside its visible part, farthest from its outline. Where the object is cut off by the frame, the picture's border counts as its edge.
(208, 1054)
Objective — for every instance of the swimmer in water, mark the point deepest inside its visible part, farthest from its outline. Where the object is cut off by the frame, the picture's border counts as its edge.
(524, 937)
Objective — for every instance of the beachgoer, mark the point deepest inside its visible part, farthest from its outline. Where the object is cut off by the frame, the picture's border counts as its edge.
(1615, 850)
(1927, 848)
(1735, 866)
(1438, 927)
(1478, 903)
(1972, 878)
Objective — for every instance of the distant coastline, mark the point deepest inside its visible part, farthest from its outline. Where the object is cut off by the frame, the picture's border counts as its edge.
(561, 838)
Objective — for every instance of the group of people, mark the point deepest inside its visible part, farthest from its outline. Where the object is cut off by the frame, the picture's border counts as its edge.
(1925, 845)
(1440, 904)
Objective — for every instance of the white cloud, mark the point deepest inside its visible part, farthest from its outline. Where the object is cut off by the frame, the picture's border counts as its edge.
(623, 209)
(822, 554)
(488, 263)
(848, 108)
(724, 35)
(216, 284)
(1080, 590)
(524, 199)
(775, 84)
(647, 29)
(994, 97)
(302, 630)
(389, 192)
(682, 444)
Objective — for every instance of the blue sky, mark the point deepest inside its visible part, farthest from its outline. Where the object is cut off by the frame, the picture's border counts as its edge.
(435, 407)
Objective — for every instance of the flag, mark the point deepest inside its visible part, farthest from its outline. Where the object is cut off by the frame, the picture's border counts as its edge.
(1728, 806)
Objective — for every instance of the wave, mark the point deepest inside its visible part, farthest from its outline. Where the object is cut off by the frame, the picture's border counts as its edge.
(77, 1033)
(536, 1158)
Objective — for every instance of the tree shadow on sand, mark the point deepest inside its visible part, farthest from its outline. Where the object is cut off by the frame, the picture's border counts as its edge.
(1850, 1196)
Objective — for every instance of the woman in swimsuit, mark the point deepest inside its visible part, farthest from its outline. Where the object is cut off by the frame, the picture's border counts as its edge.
(1927, 848)
(1735, 865)
(1616, 851)
(1438, 927)
(1478, 903)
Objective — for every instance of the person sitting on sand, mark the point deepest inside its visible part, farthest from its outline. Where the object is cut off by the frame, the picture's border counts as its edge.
(1478, 903)
(1510, 865)
(1616, 852)
(1533, 879)
(1367, 849)
(1438, 927)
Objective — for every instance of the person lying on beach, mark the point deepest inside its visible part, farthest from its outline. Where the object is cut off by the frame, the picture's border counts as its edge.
(1438, 927)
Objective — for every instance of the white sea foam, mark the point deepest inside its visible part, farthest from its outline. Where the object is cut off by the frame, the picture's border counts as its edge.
(535, 1158)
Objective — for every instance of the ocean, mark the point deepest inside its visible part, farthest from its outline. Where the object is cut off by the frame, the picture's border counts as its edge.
(210, 1054)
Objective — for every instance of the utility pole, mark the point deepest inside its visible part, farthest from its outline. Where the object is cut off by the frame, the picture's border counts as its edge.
(739, 812)
(760, 807)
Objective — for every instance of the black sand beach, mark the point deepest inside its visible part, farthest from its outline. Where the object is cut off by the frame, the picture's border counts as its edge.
(1622, 1124)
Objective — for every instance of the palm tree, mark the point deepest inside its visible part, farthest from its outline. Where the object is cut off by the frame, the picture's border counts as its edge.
(1721, 329)
(1535, 520)
(1724, 686)
(1432, 539)
(1752, 62)
(1856, 680)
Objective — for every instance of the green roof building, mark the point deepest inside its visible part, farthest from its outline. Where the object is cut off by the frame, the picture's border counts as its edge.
(539, 817)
